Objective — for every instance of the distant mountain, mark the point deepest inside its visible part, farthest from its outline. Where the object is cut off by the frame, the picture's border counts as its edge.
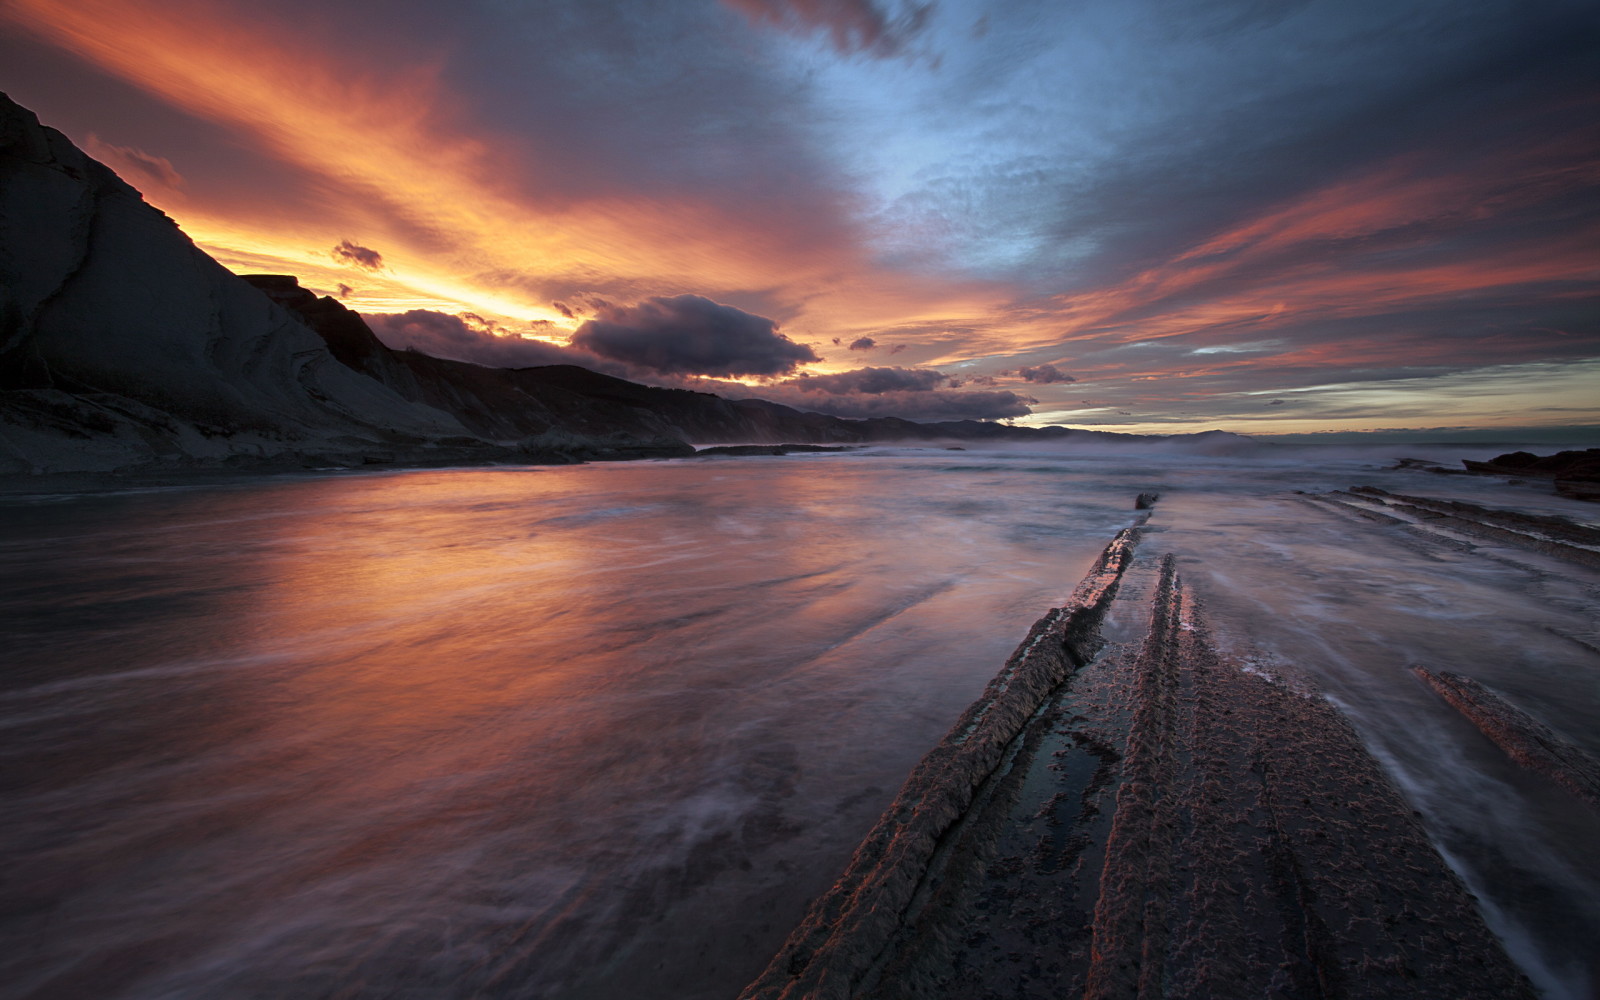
(124, 346)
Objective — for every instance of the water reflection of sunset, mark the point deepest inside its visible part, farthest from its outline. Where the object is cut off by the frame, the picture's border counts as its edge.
(540, 705)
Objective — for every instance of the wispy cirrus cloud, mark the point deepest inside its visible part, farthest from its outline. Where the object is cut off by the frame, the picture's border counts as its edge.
(879, 27)
(134, 164)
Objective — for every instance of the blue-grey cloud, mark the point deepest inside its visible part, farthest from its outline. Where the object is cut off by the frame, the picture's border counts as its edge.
(1170, 123)
(872, 381)
(1043, 374)
(908, 393)
(691, 335)
(472, 338)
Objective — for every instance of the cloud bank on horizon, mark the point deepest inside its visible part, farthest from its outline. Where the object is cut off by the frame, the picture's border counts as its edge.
(1133, 215)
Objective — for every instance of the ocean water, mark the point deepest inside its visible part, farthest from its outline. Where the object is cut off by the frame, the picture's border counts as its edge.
(603, 730)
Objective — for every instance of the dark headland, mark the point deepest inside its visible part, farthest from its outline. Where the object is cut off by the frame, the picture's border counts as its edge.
(1123, 813)
(125, 348)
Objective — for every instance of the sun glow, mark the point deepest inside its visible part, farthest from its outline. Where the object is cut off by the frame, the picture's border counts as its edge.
(1412, 258)
(433, 198)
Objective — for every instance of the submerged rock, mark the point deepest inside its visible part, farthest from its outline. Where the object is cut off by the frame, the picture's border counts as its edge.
(1150, 820)
(1525, 739)
(1576, 473)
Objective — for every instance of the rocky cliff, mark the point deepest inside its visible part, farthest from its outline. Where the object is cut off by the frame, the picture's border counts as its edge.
(124, 346)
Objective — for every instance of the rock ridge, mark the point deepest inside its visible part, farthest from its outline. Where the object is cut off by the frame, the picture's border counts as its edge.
(1162, 822)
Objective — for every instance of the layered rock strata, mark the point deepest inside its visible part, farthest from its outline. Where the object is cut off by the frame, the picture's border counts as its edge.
(1524, 738)
(835, 950)
(1154, 820)
(1552, 536)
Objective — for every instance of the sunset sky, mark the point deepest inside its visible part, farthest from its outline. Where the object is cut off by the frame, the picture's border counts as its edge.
(1140, 215)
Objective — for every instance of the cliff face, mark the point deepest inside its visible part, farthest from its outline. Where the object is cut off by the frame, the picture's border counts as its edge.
(121, 343)
(510, 404)
(123, 346)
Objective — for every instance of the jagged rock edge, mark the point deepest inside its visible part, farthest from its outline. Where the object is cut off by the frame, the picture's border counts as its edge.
(846, 930)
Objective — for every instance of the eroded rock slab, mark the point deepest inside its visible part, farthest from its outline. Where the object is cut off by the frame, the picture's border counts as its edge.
(837, 949)
(1525, 739)
(1161, 823)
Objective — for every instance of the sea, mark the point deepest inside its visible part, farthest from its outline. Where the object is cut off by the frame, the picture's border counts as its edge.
(603, 730)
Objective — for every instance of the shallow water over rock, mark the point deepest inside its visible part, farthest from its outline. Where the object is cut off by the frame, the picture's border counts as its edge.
(603, 730)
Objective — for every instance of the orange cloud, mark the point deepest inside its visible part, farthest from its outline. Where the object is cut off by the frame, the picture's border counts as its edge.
(1373, 245)
(428, 193)
(470, 220)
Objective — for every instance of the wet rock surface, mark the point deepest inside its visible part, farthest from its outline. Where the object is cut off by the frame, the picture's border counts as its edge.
(1576, 473)
(1168, 820)
(838, 948)
(1524, 738)
(1549, 535)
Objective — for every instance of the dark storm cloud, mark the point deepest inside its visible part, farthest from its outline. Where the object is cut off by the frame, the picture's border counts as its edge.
(654, 101)
(358, 255)
(862, 344)
(851, 25)
(1044, 374)
(471, 338)
(1219, 111)
(935, 404)
(908, 393)
(691, 335)
(872, 381)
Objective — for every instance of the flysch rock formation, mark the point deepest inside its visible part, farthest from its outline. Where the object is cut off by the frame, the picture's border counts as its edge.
(1524, 738)
(1440, 519)
(123, 347)
(1128, 813)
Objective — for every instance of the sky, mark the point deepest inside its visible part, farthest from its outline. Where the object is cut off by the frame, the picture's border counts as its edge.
(1157, 216)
